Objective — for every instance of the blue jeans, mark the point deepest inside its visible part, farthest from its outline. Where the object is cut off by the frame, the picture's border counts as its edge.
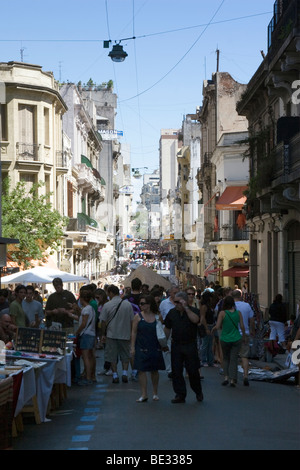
(206, 349)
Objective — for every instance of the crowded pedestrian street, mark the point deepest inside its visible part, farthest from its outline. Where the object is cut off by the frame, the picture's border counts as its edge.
(106, 417)
(150, 228)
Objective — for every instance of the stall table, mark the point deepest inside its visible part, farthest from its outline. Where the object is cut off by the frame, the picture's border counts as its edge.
(41, 375)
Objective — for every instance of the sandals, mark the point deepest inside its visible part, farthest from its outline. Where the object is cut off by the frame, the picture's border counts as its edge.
(155, 398)
(142, 400)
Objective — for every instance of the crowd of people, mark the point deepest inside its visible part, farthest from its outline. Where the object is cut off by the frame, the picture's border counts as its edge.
(211, 328)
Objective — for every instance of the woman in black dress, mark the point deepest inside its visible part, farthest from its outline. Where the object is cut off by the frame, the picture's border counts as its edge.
(145, 347)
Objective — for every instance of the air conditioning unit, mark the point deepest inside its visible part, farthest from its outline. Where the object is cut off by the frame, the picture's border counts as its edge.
(69, 243)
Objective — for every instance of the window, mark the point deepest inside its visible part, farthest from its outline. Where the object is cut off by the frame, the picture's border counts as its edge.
(26, 124)
(47, 186)
(3, 122)
(70, 199)
(29, 179)
(47, 126)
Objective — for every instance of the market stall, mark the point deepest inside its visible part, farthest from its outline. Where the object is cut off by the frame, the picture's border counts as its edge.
(43, 365)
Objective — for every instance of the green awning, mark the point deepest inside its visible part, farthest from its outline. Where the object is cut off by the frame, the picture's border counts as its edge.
(87, 219)
(86, 161)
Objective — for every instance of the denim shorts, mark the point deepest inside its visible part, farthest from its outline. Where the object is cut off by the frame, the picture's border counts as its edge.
(87, 341)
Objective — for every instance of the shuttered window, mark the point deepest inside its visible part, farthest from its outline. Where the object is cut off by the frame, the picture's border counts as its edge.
(26, 124)
(3, 122)
(70, 199)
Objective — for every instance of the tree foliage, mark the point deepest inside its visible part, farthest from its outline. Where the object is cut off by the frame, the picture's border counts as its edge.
(29, 217)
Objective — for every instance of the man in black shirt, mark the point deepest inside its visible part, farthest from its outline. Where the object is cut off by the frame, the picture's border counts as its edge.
(183, 321)
(59, 306)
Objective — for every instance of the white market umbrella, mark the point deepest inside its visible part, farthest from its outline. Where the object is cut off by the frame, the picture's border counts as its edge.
(41, 275)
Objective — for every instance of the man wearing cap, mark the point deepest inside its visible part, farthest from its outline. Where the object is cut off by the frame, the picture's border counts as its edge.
(59, 306)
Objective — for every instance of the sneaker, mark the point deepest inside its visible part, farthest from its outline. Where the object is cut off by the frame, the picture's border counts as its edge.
(124, 379)
(115, 380)
(109, 372)
(103, 372)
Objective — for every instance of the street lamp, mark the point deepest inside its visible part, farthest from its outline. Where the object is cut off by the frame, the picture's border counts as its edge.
(246, 256)
(117, 54)
(136, 173)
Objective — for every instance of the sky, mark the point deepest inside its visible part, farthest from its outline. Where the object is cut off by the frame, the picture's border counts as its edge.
(171, 47)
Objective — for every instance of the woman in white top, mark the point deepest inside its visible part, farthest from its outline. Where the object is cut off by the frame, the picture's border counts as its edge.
(86, 333)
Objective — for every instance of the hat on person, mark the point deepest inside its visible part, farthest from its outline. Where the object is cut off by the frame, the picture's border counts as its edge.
(57, 281)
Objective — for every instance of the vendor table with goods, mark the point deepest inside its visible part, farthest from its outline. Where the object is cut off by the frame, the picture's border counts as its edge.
(30, 382)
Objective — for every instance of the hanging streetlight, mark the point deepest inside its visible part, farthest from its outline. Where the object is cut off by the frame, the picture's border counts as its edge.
(136, 173)
(117, 54)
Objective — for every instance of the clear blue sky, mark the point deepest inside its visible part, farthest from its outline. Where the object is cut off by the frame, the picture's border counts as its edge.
(161, 79)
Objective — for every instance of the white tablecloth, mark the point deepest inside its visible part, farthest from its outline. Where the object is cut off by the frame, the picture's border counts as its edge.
(40, 381)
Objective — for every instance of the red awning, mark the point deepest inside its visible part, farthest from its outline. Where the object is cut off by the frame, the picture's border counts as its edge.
(232, 199)
(206, 271)
(238, 271)
(213, 271)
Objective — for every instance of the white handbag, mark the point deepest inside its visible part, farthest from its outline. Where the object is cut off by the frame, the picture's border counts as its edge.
(162, 339)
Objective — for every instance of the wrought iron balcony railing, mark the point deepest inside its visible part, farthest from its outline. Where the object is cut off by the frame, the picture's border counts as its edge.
(26, 151)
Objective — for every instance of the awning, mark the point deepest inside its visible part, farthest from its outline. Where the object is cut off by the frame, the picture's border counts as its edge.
(213, 271)
(208, 269)
(238, 271)
(232, 199)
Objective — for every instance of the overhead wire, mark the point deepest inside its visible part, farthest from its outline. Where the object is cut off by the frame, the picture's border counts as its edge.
(143, 35)
(180, 60)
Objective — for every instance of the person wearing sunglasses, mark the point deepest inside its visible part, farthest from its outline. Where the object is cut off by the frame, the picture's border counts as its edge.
(192, 299)
(183, 321)
(145, 348)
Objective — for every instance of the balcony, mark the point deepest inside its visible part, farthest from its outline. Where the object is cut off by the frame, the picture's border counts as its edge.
(286, 161)
(89, 227)
(285, 20)
(231, 233)
(87, 220)
(61, 159)
(89, 182)
(27, 152)
(76, 225)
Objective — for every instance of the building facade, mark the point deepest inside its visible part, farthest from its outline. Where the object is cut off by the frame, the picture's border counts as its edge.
(222, 176)
(271, 105)
(83, 189)
(31, 131)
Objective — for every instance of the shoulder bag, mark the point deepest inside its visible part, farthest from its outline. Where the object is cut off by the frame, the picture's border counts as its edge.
(160, 334)
(112, 317)
(232, 320)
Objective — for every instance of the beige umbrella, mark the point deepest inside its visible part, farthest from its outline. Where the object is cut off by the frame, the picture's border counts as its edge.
(147, 276)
